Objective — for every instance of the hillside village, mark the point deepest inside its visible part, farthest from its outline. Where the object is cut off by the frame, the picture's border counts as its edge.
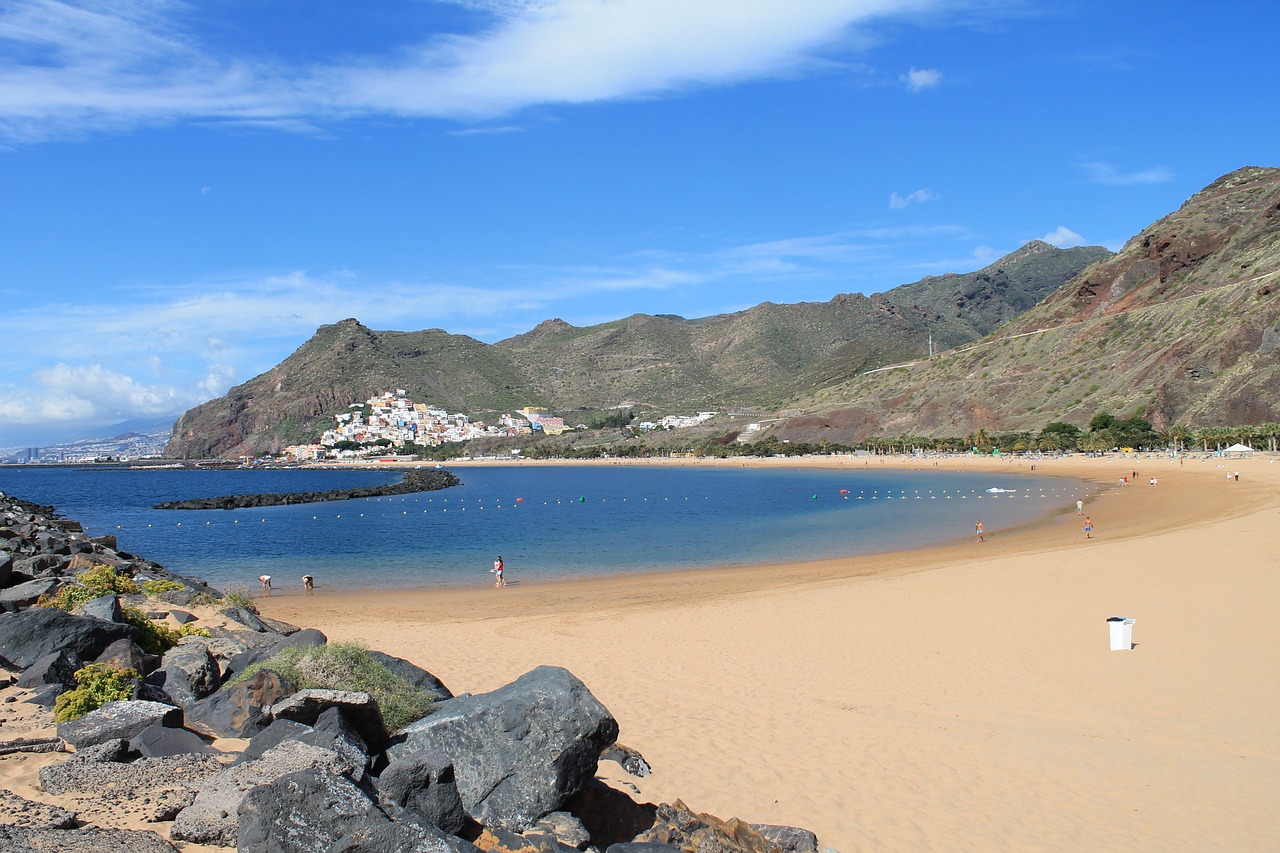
(393, 422)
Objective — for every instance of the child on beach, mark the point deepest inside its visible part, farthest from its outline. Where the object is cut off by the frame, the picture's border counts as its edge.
(499, 580)
(977, 530)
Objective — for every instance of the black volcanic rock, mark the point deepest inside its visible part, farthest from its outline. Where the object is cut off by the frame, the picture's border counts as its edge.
(32, 634)
(413, 481)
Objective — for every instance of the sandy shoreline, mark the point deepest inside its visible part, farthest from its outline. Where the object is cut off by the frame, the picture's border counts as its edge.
(955, 698)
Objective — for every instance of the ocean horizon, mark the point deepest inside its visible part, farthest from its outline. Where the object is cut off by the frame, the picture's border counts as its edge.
(548, 522)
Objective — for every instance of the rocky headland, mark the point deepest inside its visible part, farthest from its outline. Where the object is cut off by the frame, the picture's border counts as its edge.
(215, 744)
(413, 481)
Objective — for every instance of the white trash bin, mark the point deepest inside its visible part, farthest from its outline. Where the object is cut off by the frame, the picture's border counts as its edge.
(1121, 629)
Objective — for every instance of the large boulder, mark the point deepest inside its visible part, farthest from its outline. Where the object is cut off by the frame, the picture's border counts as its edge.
(117, 720)
(331, 731)
(310, 811)
(212, 818)
(30, 635)
(239, 710)
(160, 741)
(41, 565)
(104, 607)
(25, 594)
(19, 811)
(188, 672)
(55, 668)
(521, 751)
(415, 675)
(123, 654)
(155, 789)
(91, 839)
(424, 783)
(359, 709)
(247, 618)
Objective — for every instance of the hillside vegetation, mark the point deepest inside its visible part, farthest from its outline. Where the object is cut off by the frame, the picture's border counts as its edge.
(753, 359)
(1180, 327)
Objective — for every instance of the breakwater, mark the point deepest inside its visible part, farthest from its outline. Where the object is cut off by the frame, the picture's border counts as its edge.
(413, 481)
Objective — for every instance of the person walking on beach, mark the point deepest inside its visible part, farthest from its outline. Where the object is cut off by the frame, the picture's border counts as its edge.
(1079, 507)
(498, 579)
(1088, 527)
(977, 531)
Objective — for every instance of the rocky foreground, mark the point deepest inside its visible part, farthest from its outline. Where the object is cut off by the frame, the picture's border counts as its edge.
(413, 481)
(509, 771)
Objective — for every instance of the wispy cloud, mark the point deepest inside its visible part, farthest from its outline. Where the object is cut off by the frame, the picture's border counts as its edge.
(163, 349)
(1099, 172)
(1063, 237)
(898, 202)
(68, 67)
(89, 392)
(919, 79)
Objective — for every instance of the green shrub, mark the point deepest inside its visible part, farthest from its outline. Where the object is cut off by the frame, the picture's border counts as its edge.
(239, 596)
(156, 638)
(98, 684)
(348, 666)
(91, 583)
(159, 585)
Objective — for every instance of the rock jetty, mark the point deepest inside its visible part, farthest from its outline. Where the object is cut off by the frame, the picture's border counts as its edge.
(413, 481)
(510, 771)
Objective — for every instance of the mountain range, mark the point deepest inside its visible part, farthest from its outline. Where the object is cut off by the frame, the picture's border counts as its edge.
(1180, 326)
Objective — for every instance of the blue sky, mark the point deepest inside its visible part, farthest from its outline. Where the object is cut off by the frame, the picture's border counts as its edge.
(189, 189)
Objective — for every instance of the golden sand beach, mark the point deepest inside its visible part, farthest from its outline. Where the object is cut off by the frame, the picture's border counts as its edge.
(953, 699)
(957, 698)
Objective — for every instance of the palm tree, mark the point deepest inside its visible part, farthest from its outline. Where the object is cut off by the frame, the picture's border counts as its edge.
(1176, 436)
(1099, 440)
(1271, 432)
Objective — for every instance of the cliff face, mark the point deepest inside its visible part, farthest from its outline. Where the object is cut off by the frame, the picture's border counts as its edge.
(1181, 326)
(341, 364)
(754, 358)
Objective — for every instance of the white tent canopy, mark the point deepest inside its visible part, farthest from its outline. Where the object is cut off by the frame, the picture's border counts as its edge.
(1238, 448)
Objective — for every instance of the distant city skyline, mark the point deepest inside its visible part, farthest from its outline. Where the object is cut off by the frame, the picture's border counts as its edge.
(190, 190)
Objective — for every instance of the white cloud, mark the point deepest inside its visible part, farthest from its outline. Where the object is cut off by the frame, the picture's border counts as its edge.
(88, 393)
(1063, 238)
(898, 202)
(116, 63)
(919, 79)
(1106, 173)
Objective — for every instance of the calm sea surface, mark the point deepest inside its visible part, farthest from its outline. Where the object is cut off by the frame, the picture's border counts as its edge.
(546, 521)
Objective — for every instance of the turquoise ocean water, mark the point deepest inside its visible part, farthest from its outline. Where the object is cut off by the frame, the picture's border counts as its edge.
(546, 521)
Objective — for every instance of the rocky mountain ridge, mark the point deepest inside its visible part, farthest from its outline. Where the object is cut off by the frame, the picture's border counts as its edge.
(752, 359)
(1180, 327)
